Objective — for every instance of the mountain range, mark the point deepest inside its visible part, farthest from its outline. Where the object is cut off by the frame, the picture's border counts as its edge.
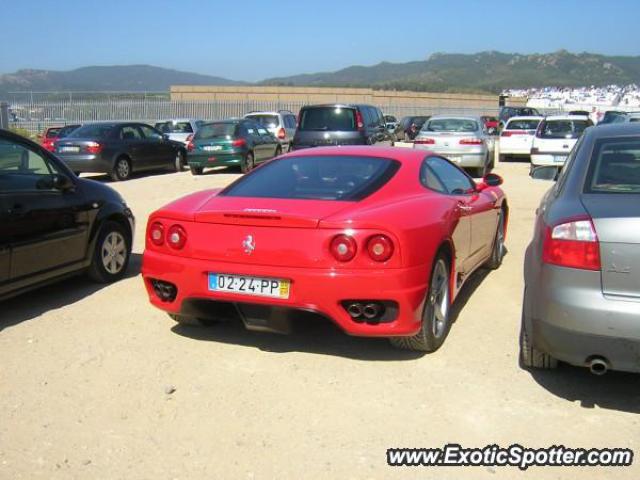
(488, 72)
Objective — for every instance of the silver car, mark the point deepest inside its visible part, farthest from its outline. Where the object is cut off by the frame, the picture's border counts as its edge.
(582, 268)
(179, 129)
(463, 140)
(281, 124)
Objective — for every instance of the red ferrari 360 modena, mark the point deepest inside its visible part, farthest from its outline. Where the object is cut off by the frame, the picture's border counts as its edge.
(378, 240)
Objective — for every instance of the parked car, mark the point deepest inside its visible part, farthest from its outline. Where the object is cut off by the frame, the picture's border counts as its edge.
(582, 267)
(507, 112)
(403, 130)
(332, 233)
(179, 129)
(390, 122)
(516, 138)
(555, 137)
(612, 116)
(337, 124)
(281, 124)
(52, 134)
(491, 124)
(242, 143)
(119, 149)
(463, 140)
(54, 224)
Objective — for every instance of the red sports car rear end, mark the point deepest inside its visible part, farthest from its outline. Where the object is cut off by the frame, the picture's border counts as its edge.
(348, 234)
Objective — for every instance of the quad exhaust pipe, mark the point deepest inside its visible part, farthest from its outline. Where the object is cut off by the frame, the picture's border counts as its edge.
(365, 311)
(598, 366)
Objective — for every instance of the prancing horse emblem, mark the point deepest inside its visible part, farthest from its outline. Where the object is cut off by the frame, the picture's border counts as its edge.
(249, 244)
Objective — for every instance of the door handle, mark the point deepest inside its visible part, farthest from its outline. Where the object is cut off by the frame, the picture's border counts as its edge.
(463, 207)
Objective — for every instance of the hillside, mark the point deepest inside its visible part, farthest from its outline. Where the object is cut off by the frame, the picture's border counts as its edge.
(130, 78)
(481, 72)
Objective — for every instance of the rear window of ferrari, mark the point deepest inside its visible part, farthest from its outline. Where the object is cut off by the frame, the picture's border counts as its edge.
(339, 177)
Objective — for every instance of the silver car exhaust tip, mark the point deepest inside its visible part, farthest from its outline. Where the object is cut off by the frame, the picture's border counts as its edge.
(598, 366)
(355, 310)
(371, 310)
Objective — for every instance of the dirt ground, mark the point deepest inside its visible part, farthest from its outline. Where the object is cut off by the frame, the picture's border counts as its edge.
(87, 375)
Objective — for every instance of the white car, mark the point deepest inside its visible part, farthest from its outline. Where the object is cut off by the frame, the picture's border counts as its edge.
(555, 137)
(516, 138)
(281, 124)
(179, 129)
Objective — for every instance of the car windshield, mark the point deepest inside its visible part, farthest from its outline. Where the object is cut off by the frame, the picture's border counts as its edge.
(337, 177)
(522, 125)
(174, 127)
(269, 121)
(615, 167)
(53, 132)
(92, 131)
(451, 125)
(328, 118)
(64, 131)
(215, 130)
(563, 128)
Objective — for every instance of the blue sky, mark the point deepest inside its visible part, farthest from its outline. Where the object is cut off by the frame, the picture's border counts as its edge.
(253, 40)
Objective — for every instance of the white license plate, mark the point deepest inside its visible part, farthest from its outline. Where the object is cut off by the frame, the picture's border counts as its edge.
(559, 158)
(256, 286)
(69, 149)
(212, 148)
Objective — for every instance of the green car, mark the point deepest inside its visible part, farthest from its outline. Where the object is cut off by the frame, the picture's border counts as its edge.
(242, 143)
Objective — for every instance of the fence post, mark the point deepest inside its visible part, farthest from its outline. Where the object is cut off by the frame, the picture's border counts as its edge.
(4, 115)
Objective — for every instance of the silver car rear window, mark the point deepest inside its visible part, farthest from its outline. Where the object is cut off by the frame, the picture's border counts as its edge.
(451, 125)
(614, 167)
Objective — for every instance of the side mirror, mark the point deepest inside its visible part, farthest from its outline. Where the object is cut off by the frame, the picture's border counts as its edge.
(545, 172)
(62, 182)
(489, 180)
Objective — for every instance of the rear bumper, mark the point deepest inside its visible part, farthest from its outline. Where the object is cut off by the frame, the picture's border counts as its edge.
(548, 158)
(462, 159)
(506, 149)
(573, 321)
(215, 159)
(317, 290)
(87, 163)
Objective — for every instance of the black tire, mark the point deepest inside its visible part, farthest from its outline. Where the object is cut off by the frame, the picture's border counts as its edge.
(196, 170)
(434, 328)
(193, 321)
(247, 163)
(530, 357)
(498, 251)
(111, 254)
(121, 169)
(179, 161)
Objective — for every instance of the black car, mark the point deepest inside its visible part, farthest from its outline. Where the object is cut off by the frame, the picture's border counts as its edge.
(404, 131)
(53, 224)
(120, 149)
(338, 124)
(507, 112)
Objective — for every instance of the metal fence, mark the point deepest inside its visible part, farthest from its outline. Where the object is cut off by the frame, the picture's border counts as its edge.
(36, 115)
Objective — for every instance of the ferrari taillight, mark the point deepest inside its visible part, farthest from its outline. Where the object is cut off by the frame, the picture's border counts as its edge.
(572, 244)
(176, 237)
(380, 248)
(343, 248)
(156, 233)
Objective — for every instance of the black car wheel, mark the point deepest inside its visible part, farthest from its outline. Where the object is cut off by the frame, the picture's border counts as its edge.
(531, 357)
(196, 170)
(497, 254)
(111, 254)
(247, 163)
(436, 312)
(121, 170)
(178, 164)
